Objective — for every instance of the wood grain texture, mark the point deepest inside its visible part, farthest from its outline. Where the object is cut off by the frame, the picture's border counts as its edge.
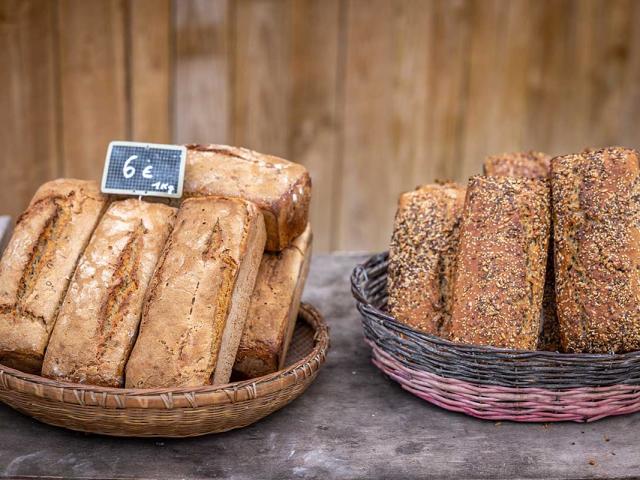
(92, 83)
(28, 133)
(203, 71)
(315, 127)
(447, 91)
(384, 116)
(374, 97)
(262, 79)
(149, 67)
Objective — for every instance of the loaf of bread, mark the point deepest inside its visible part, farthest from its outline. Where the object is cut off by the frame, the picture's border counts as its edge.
(98, 321)
(274, 309)
(198, 298)
(280, 188)
(533, 165)
(518, 164)
(501, 263)
(596, 209)
(422, 257)
(38, 263)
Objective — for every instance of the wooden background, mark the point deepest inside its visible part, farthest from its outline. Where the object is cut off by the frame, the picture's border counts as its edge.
(374, 97)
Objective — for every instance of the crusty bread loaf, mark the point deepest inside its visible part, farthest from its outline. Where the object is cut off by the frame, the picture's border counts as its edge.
(98, 321)
(422, 256)
(274, 309)
(38, 263)
(198, 298)
(518, 164)
(280, 188)
(596, 211)
(501, 263)
(533, 165)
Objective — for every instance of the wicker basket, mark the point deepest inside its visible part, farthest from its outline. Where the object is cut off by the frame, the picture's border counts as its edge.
(182, 412)
(487, 382)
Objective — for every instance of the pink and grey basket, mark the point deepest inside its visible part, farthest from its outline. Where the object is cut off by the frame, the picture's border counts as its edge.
(487, 382)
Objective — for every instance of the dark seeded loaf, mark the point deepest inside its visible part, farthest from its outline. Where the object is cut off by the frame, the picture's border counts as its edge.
(281, 189)
(596, 197)
(38, 263)
(422, 256)
(274, 309)
(518, 164)
(198, 298)
(533, 165)
(501, 263)
(98, 321)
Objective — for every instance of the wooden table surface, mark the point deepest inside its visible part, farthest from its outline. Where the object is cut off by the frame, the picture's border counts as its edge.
(353, 422)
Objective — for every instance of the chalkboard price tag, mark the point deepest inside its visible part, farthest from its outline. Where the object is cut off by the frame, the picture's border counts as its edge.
(144, 169)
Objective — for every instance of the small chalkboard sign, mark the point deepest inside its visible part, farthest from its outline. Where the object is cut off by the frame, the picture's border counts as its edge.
(144, 169)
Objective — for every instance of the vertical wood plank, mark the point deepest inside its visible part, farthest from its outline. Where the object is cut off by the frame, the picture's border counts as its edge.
(629, 130)
(446, 90)
(608, 69)
(384, 116)
(590, 79)
(92, 81)
(549, 115)
(203, 63)
(262, 75)
(149, 70)
(314, 119)
(27, 101)
(504, 39)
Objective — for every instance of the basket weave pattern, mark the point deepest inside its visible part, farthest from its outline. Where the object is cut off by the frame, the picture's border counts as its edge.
(487, 382)
(179, 412)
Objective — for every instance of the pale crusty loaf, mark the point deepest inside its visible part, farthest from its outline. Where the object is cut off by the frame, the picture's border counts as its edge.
(280, 188)
(274, 309)
(533, 165)
(422, 256)
(98, 321)
(596, 210)
(518, 164)
(501, 263)
(198, 298)
(38, 263)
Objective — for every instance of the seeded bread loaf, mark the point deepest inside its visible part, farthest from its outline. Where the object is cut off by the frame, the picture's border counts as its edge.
(38, 263)
(274, 309)
(596, 197)
(501, 263)
(280, 188)
(518, 164)
(533, 165)
(422, 257)
(98, 321)
(198, 298)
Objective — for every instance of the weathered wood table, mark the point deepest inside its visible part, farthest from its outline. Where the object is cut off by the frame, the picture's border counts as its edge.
(352, 423)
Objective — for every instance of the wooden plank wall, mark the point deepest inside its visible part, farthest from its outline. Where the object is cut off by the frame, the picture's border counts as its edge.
(373, 96)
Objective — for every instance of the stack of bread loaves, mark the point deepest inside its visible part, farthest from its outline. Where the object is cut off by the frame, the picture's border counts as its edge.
(128, 292)
(543, 254)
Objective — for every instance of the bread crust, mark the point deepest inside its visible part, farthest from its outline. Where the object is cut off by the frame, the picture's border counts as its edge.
(597, 249)
(501, 263)
(202, 284)
(281, 189)
(533, 165)
(38, 263)
(98, 321)
(422, 256)
(518, 164)
(274, 309)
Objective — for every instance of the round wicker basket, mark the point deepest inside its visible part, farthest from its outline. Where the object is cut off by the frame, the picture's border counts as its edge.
(487, 382)
(179, 412)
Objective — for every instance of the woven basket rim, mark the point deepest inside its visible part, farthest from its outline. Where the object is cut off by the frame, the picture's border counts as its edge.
(359, 277)
(12, 379)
